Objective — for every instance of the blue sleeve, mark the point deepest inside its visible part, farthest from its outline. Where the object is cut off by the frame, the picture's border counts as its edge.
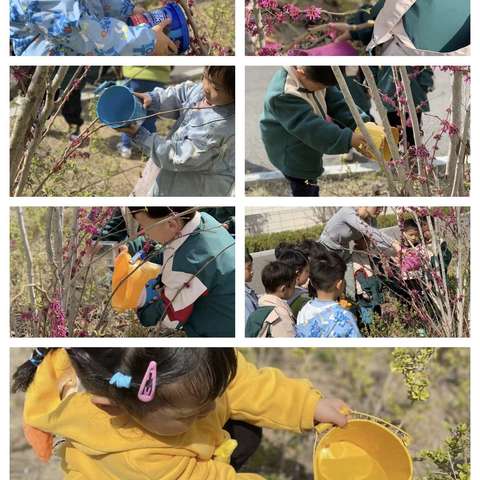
(172, 98)
(352, 330)
(120, 9)
(75, 30)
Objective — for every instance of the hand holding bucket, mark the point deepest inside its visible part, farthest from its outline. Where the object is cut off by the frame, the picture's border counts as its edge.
(118, 107)
(177, 29)
(367, 448)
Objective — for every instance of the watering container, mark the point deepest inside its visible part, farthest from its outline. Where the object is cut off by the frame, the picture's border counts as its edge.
(367, 448)
(378, 136)
(118, 106)
(330, 50)
(129, 280)
(177, 31)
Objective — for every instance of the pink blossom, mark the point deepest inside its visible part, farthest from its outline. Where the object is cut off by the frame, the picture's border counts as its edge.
(267, 51)
(292, 11)
(411, 261)
(450, 128)
(268, 4)
(56, 315)
(312, 13)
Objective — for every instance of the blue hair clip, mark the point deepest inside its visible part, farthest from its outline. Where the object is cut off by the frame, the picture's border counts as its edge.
(120, 380)
(37, 357)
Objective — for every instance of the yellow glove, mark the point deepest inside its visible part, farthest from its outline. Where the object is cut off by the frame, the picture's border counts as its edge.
(128, 288)
(378, 136)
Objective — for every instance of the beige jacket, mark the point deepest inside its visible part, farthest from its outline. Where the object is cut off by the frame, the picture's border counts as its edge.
(280, 320)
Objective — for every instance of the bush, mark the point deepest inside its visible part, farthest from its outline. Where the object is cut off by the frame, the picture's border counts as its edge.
(268, 241)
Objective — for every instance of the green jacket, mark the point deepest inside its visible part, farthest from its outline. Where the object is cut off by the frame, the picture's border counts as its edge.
(295, 138)
(421, 83)
(436, 25)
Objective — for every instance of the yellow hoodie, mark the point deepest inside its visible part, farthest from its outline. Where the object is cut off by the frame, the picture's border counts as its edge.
(101, 447)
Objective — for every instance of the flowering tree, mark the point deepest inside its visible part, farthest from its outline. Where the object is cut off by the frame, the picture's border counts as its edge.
(64, 295)
(432, 277)
(263, 18)
(412, 170)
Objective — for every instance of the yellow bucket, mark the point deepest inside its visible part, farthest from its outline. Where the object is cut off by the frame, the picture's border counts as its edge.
(378, 136)
(367, 448)
(129, 280)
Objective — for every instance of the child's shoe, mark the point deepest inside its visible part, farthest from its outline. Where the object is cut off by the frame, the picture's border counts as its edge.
(125, 152)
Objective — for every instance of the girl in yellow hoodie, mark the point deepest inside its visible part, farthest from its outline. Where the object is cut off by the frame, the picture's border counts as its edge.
(157, 413)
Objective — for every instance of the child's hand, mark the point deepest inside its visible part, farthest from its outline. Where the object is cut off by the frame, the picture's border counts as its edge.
(358, 141)
(342, 30)
(145, 98)
(163, 46)
(329, 410)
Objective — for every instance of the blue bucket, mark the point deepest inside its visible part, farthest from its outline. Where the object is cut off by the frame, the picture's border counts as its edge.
(118, 106)
(177, 31)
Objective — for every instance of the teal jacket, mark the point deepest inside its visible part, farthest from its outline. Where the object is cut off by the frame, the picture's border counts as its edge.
(436, 25)
(421, 83)
(295, 138)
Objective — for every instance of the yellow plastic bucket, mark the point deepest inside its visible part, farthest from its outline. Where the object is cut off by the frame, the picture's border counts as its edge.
(129, 280)
(367, 448)
(378, 136)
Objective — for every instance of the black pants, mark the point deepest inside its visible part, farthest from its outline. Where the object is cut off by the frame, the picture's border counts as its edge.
(302, 187)
(248, 438)
(395, 121)
(72, 109)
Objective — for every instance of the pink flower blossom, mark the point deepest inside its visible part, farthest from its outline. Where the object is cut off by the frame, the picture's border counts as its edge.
(292, 11)
(411, 261)
(312, 13)
(56, 315)
(268, 4)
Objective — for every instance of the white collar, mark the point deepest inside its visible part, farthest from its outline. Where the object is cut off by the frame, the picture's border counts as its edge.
(185, 232)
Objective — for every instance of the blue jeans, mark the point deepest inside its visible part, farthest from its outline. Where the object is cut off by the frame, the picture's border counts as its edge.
(142, 86)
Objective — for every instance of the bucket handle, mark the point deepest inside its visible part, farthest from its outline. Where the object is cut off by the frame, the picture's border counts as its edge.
(322, 428)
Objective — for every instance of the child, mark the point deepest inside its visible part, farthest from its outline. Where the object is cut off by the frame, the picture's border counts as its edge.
(130, 413)
(304, 117)
(251, 298)
(197, 158)
(411, 27)
(323, 316)
(83, 27)
(196, 286)
(410, 233)
(288, 253)
(274, 318)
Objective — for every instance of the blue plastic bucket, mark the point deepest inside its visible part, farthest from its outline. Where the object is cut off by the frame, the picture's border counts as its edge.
(118, 106)
(177, 31)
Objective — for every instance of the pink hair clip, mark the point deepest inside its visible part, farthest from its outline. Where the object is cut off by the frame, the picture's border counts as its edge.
(146, 392)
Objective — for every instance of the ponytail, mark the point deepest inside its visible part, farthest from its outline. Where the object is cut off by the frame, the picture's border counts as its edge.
(23, 376)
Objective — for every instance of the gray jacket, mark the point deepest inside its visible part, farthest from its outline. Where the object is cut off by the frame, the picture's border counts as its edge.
(197, 157)
(346, 226)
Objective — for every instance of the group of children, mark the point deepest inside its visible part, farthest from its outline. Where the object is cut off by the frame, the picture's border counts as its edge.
(334, 287)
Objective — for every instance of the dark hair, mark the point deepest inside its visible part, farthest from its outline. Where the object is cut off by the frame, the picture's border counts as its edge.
(283, 247)
(311, 248)
(248, 257)
(410, 224)
(326, 270)
(162, 212)
(203, 373)
(276, 274)
(225, 75)
(295, 258)
(321, 74)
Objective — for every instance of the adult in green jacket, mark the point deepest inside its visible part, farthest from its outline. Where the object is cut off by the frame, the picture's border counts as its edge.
(304, 117)
(412, 27)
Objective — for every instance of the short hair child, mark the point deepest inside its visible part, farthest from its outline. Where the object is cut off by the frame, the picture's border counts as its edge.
(222, 75)
(324, 316)
(410, 231)
(277, 274)
(321, 74)
(326, 271)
